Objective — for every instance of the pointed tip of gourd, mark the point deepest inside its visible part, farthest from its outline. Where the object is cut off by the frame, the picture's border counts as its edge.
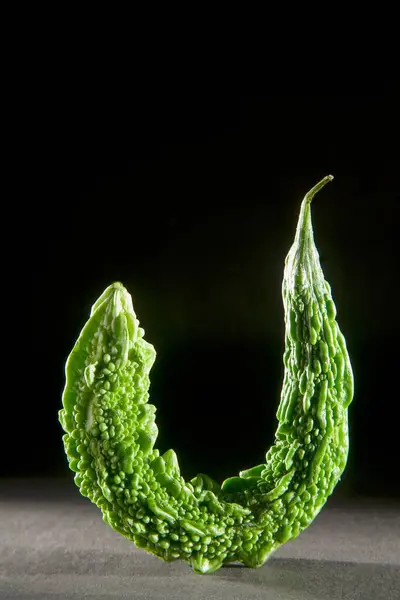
(117, 293)
(116, 286)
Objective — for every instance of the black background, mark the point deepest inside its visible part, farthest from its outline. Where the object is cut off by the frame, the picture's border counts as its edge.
(192, 203)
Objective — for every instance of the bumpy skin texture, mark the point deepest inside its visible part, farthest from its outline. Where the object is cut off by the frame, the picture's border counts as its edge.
(110, 431)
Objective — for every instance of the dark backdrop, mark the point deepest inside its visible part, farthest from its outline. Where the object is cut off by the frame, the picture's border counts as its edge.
(192, 203)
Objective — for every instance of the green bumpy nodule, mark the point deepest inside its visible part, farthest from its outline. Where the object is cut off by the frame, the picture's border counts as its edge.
(110, 431)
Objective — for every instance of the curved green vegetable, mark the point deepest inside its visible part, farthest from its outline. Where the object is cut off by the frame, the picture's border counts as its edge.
(110, 431)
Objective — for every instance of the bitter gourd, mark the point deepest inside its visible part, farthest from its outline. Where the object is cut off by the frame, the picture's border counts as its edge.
(110, 430)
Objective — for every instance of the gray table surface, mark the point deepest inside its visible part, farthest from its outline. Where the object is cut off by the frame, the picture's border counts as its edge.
(54, 545)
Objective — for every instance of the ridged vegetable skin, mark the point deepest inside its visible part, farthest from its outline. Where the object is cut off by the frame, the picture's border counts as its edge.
(110, 431)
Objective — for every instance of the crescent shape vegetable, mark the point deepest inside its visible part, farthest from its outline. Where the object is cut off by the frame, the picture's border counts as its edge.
(110, 431)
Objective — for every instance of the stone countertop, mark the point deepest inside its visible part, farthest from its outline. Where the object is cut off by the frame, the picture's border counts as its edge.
(55, 545)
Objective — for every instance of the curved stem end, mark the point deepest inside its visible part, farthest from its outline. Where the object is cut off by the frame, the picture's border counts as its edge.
(310, 195)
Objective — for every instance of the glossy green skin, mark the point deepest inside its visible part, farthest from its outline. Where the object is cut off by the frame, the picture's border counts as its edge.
(110, 431)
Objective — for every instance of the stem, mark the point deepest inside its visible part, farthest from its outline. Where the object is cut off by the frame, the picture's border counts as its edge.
(310, 195)
(302, 260)
(304, 228)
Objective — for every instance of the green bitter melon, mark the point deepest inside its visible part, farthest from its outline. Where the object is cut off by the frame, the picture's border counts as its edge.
(110, 431)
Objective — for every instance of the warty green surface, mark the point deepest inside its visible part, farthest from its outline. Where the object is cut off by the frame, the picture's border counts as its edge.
(111, 431)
